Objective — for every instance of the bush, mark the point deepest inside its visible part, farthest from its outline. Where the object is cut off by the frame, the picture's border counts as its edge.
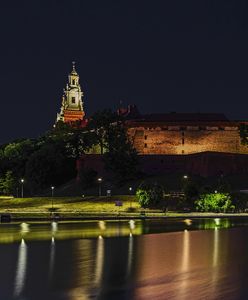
(240, 200)
(150, 195)
(217, 202)
(191, 192)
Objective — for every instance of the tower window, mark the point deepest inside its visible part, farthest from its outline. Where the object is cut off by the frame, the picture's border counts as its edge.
(73, 81)
(73, 100)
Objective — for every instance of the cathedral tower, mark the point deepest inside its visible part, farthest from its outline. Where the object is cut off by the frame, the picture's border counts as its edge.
(72, 103)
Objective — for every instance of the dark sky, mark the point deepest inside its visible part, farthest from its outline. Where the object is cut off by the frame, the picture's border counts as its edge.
(184, 56)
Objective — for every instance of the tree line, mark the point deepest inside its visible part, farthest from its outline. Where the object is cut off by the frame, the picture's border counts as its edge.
(194, 196)
(51, 159)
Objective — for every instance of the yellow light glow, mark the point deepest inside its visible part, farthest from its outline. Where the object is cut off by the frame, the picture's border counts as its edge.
(217, 221)
(188, 222)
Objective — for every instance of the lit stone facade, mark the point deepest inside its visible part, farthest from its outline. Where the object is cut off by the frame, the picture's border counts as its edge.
(185, 134)
(72, 100)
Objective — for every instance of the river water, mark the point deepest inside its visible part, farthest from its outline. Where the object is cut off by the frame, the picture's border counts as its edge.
(156, 259)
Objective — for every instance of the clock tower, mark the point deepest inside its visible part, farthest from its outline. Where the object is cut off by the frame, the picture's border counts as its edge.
(72, 102)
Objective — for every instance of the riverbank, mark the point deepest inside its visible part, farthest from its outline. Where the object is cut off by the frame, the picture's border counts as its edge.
(91, 208)
(81, 216)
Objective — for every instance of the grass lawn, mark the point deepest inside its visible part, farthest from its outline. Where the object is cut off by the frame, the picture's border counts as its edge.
(83, 207)
(68, 204)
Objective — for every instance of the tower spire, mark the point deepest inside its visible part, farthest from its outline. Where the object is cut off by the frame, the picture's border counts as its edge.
(73, 66)
(72, 108)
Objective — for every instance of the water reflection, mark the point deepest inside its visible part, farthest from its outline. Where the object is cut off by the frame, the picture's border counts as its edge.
(132, 224)
(99, 261)
(215, 264)
(185, 264)
(130, 254)
(24, 228)
(216, 247)
(52, 258)
(102, 225)
(54, 226)
(177, 265)
(21, 269)
(108, 228)
(219, 223)
(188, 222)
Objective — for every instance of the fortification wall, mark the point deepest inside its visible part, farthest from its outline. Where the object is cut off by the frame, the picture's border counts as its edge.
(192, 139)
(203, 164)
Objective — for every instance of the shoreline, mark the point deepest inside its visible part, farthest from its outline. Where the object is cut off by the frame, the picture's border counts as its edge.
(66, 216)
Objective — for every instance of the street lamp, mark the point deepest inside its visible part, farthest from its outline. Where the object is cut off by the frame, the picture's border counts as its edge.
(52, 190)
(22, 183)
(184, 182)
(100, 186)
(130, 192)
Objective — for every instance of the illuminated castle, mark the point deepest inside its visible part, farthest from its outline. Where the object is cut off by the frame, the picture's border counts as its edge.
(72, 108)
(162, 134)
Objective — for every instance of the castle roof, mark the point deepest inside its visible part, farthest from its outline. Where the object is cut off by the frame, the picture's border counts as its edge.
(183, 117)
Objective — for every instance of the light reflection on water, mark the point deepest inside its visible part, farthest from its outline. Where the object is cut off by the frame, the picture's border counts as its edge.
(184, 264)
(21, 269)
(93, 229)
(52, 259)
(99, 261)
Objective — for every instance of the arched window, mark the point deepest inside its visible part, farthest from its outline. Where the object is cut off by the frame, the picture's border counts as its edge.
(73, 81)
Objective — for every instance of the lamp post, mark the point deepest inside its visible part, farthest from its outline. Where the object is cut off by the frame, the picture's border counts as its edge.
(184, 183)
(130, 192)
(52, 190)
(100, 186)
(22, 183)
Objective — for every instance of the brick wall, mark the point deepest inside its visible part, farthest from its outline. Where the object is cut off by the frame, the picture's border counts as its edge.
(192, 139)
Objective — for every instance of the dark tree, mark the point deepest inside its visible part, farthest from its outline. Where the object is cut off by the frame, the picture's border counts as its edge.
(72, 138)
(49, 166)
(100, 124)
(120, 156)
(7, 183)
(15, 155)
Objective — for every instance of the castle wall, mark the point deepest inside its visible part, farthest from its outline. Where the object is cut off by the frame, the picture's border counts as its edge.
(190, 139)
(204, 164)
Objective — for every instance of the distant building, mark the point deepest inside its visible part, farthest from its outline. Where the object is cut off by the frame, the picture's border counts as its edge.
(162, 134)
(72, 108)
(185, 133)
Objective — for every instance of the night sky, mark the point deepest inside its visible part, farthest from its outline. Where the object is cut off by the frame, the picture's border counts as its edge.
(178, 55)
